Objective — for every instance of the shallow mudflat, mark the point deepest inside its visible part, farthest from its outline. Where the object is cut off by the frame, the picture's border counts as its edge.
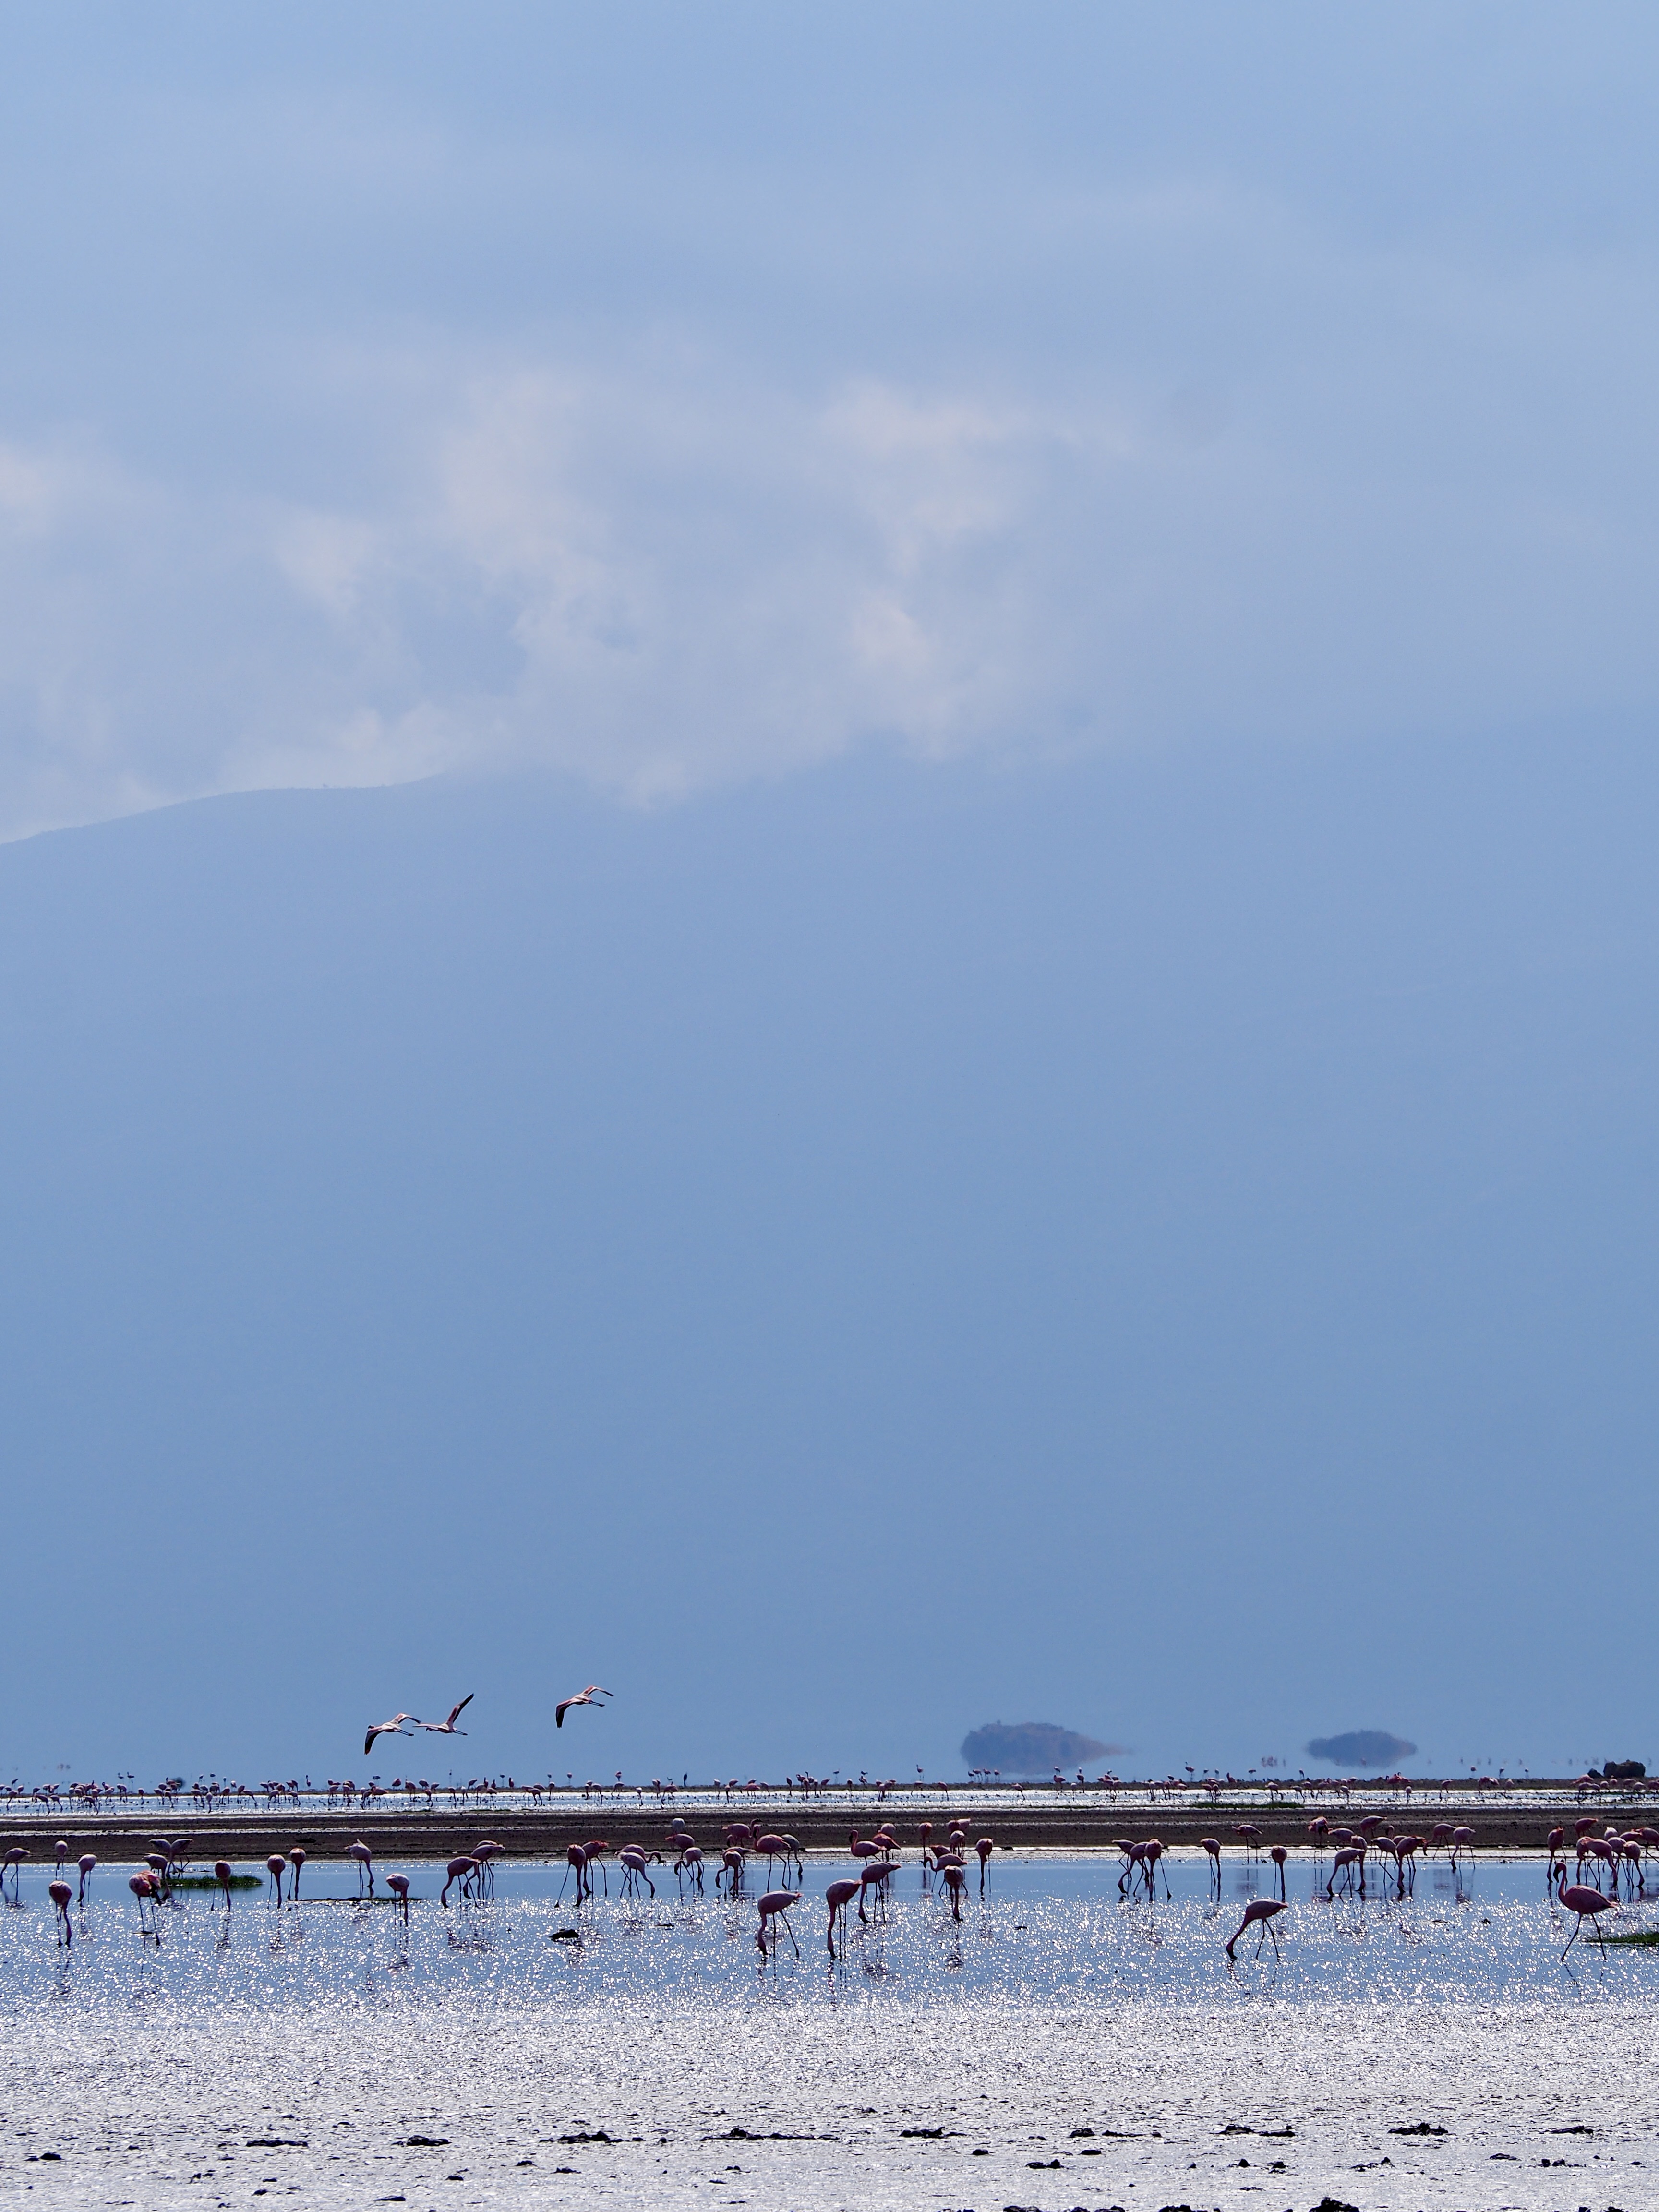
(659, 2060)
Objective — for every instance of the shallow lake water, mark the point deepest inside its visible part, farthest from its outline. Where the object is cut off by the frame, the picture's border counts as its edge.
(1057, 2046)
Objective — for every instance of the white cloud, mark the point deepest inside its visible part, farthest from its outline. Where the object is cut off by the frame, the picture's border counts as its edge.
(1195, 461)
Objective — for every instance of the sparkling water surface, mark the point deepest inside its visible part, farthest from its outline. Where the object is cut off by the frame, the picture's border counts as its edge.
(271, 2051)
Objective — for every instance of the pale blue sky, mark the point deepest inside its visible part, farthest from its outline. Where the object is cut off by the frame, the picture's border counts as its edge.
(1001, 1066)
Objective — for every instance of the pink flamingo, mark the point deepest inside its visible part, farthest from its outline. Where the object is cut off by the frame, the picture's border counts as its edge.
(277, 1867)
(87, 1863)
(861, 1849)
(633, 1862)
(1152, 1853)
(775, 1909)
(772, 1847)
(1588, 1905)
(838, 1897)
(462, 1870)
(61, 1848)
(576, 1864)
(1263, 1909)
(876, 1875)
(224, 1873)
(1462, 1840)
(1211, 1846)
(142, 1886)
(393, 1727)
(13, 1859)
(61, 1894)
(690, 1861)
(956, 1879)
(297, 1859)
(590, 1696)
(365, 1859)
(984, 1847)
(1557, 1843)
(1278, 1854)
(1252, 1836)
(399, 1885)
(448, 1727)
(1350, 1856)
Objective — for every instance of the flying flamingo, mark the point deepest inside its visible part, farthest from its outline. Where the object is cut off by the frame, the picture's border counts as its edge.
(838, 1897)
(1589, 1904)
(87, 1863)
(1262, 1909)
(448, 1727)
(775, 1908)
(393, 1727)
(587, 1697)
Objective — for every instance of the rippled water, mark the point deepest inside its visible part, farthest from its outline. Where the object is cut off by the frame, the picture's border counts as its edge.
(296, 2050)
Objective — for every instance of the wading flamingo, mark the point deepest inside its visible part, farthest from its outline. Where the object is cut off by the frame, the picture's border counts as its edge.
(277, 1867)
(462, 1870)
(224, 1873)
(87, 1863)
(1588, 1905)
(297, 1859)
(1262, 1909)
(61, 1894)
(838, 1897)
(775, 1908)
(365, 1859)
(399, 1885)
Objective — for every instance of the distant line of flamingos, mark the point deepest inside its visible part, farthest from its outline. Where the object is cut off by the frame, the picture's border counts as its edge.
(472, 1873)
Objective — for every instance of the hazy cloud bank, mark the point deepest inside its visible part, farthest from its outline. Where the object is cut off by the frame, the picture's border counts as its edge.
(458, 428)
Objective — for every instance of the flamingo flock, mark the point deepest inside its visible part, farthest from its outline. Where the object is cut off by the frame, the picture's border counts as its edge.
(1616, 1856)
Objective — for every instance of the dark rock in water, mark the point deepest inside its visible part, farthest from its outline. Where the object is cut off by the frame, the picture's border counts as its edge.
(1335, 2204)
(1418, 2128)
(1030, 1747)
(1623, 1770)
(1361, 1748)
(424, 2143)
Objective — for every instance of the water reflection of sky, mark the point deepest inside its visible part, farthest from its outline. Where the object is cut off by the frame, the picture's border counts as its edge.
(1052, 1928)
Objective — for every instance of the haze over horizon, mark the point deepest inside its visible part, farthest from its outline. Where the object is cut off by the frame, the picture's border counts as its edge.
(826, 882)
(835, 1262)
